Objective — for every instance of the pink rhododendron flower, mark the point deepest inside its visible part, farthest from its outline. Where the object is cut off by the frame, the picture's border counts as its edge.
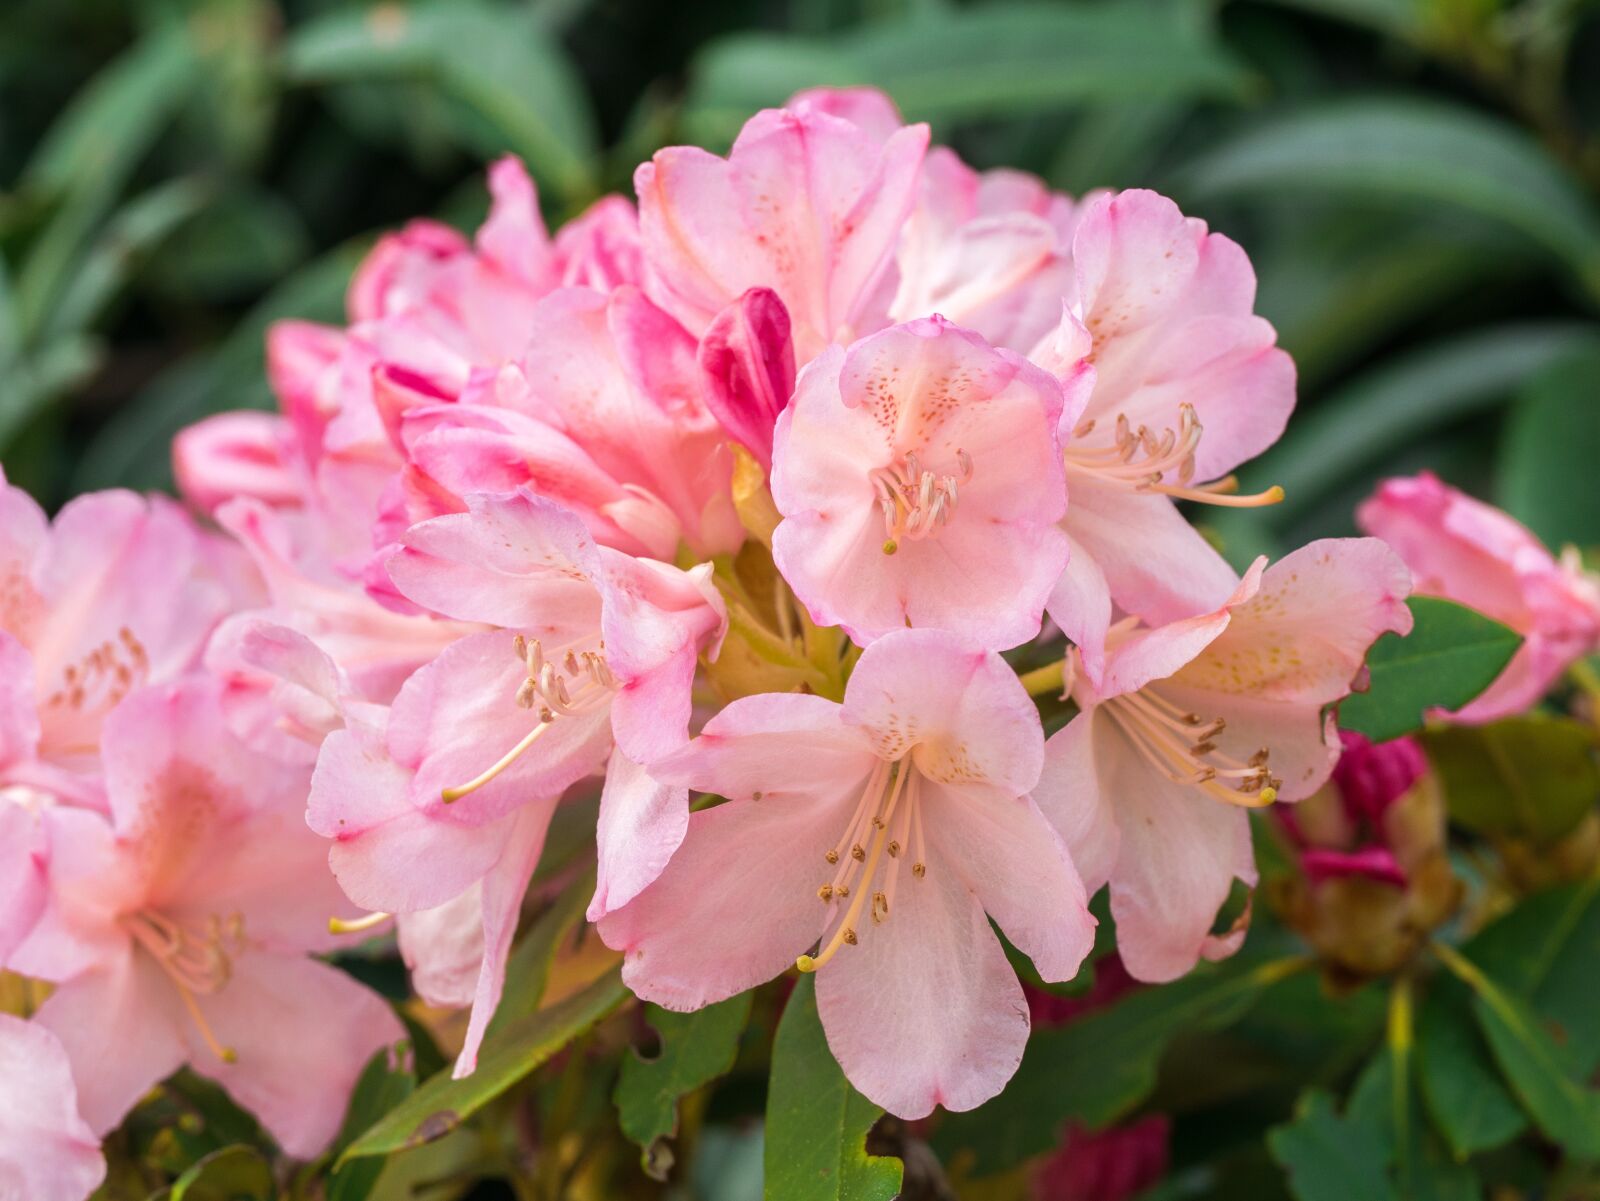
(1188, 384)
(808, 203)
(603, 413)
(920, 480)
(117, 591)
(590, 666)
(1199, 719)
(885, 827)
(178, 926)
(47, 1151)
(1472, 553)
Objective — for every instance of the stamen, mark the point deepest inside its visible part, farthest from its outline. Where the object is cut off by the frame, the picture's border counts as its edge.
(916, 502)
(1141, 461)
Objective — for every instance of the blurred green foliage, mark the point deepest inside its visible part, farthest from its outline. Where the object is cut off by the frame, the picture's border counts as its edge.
(1418, 185)
(1417, 181)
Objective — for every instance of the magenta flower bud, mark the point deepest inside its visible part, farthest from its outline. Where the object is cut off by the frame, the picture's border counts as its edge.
(747, 364)
(1372, 776)
(1369, 862)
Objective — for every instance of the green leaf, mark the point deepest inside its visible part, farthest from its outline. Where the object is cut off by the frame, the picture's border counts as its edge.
(696, 1048)
(1400, 18)
(515, 84)
(1330, 1157)
(1451, 655)
(984, 61)
(1551, 444)
(442, 1104)
(816, 1123)
(1099, 1067)
(385, 1082)
(1419, 152)
(1562, 1107)
(1460, 1084)
(1532, 777)
(232, 1174)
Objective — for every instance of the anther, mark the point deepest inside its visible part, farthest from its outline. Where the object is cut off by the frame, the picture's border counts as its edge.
(832, 856)
(825, 892)
(858, 852)
(894, 849)
(919, 870)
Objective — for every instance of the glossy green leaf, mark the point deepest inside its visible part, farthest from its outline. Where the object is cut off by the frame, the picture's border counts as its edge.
(1451, 655)
(1329, 1156)
(441, 1104)
(1465, 1096)
(1099, 1067)
(816, 1123)
(384, 1083)
(1532, 777)
(1401, 18)
(1418, 152)
(962, 63)
(1560, 1104)
(696, 1048)
(497, 60)
(1551, 446)
(232, 1174)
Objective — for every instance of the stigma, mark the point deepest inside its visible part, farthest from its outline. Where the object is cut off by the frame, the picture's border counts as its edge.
(1141, 461)
(885, 827)
(916, 501)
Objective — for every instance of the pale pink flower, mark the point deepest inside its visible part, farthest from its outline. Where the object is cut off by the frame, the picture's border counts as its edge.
(920, 480)
(1472, 553)
(1200, 719)
(590, 667)
(119, 590)
(178, 927)
(47, 1151)
(885, 827)
(1187, 385)
(808, 203)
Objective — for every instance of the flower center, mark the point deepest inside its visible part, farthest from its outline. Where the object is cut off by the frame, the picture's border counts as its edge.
(197, 959)
(1140, 461)
(1180, 746)
(914, 500)
(564, 681)
(98, 680)
(887, 820)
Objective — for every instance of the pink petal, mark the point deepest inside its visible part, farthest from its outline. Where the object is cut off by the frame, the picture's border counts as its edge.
(959, 709)
(642, 822)
(302, 1031)
(746, 360)
(119, 1025)
(1155, 563)
(1159, 652)
(1080, 604)
(19, 714)
(502, 893)
(235, 454)
(47, 1152)
(388, 854)
(24, 860)
(443, 947)
(737, 903)
(513, 238)
(514, 560)
(600, 247)
(1019, 869)
(1179, 855)
(1070, 796)
(770, 746)
(925, 1010)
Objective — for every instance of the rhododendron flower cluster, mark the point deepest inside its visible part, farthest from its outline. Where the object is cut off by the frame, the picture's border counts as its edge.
(731, 500)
